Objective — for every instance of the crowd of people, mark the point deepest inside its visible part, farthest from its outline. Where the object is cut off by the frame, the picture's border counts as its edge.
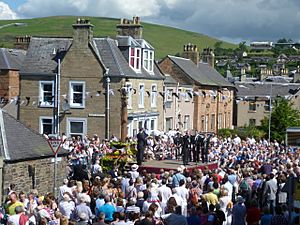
(256, 182)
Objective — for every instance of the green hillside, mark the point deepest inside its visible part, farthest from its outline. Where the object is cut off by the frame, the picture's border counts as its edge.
(166, 40)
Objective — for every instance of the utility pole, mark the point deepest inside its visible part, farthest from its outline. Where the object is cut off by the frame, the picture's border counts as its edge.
(124, 113)
(107, 80)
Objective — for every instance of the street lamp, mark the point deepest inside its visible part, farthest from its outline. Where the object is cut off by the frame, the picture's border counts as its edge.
(107, 81)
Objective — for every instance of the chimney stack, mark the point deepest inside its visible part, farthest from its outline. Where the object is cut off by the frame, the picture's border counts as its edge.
(208, 56)
(190, 51)
(22, 42)
(130, 28)
(82, 32)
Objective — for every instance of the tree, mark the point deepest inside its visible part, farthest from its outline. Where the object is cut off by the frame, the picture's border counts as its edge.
(283, 116)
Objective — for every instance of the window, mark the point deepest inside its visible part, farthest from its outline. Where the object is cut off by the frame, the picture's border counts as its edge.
(220, 124)
(252, 122)
(169, 122)
(202, 123)
(141, 95)
(169, 95)
(129, 99)
(76, 127)
(267, 105)
(77, 94)
(148, 59)
(141, 124)
(152, 124)
(206, 123)
(186, 122)
(46, 125)
(212, 122)
(46, 93)
(153, 95)
(252, 106)
(179, 93)
(135, 58)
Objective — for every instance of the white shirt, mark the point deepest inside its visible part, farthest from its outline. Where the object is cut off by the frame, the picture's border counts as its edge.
(228, 186)
(183, 193)
(14, 219)
(164, 192)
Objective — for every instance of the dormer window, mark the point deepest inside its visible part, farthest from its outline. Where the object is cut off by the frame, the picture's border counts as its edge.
(135, 58)
(148, 60)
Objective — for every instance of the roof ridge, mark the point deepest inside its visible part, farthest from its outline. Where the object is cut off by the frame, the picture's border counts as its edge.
(177, 57)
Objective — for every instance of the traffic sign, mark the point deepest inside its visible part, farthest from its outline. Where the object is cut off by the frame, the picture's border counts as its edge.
(54, 144)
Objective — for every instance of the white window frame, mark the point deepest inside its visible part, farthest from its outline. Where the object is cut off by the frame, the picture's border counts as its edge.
(186, 122)
(41, 130)
(76, 119)
(129, 99)
(71, 92)
(169, 95)
(42, 103)
(136, 59)
(153, 96)
(141, 96)
(148, 60)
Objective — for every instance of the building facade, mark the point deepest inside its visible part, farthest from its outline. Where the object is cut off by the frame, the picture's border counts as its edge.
(211, 94)
(94, 79)
(254, 100)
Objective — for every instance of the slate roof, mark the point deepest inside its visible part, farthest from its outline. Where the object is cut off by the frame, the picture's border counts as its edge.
(169, 80)
(19, 143)
(11, 59)
(259, 89)
(40, 58)
(203, 74)
(113, 59)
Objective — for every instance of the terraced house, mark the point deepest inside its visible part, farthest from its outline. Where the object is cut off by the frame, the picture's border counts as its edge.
(203, 97)
(101, 86)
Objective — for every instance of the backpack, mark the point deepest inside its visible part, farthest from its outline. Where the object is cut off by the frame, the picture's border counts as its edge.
(23, 219)
(244, 186)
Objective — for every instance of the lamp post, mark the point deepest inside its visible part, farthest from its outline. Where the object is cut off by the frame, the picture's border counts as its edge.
(107, 81)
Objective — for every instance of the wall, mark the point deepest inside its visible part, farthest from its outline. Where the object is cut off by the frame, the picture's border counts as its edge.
(203, 106)
(244, 114)
(79, 64)
(18, 174)
(9, 83)
(147, 99)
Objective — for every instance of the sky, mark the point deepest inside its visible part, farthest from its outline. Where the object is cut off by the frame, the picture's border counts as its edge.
(228, 20)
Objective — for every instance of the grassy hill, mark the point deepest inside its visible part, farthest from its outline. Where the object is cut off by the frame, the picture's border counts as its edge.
(166, 40)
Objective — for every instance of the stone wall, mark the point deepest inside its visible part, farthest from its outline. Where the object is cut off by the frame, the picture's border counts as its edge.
(9, 83)
(18, 174)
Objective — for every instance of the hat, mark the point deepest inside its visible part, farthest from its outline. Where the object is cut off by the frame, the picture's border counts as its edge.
(179, 169)
(240, 199)
(134, 167)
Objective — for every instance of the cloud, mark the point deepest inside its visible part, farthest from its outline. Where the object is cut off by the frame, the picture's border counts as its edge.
(229, 19)
(6, 13)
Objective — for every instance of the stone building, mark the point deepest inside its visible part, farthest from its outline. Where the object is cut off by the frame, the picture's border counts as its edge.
(10, 63)
(212, 95)
(86, 64)
(179, 105)
(252, 102)
(26, 159)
